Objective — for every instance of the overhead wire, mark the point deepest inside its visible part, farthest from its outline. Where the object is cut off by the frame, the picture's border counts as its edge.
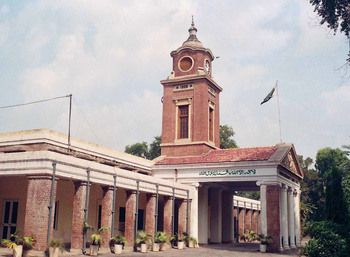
(35, 102)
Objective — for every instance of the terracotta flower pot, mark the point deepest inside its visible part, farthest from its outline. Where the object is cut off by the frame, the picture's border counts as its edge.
(162, 246)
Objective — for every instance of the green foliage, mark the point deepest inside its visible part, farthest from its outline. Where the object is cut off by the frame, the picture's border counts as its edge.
(119, 240)
(27, 241)
(250, 236)
(335, 14)
(161, 237)
(143, 150)
(226, 137)
(96, 239)
(327, 239)
(154, 148)
(330, 165)
(143, 238)
(255, 195)
(327, 158)
(264, 240)
(189, 239)
(57, 243)
(178, 237)
(138, 149)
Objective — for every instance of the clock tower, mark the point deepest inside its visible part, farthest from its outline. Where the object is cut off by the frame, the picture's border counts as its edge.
(190, 124)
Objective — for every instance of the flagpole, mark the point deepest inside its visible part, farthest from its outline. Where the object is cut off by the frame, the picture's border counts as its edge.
(279, 113)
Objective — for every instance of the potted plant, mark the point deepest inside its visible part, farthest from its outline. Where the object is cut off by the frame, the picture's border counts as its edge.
(118, 242)
(28, 243)
(56, 247)
(96, 241)
(143, 238)
(179, 238)
(160, 239)
(190, 241)
(264, 241)
(17, 244)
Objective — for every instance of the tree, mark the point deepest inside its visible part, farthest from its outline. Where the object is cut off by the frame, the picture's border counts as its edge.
(154, 148)
(143, 150)
(335, 13)
(330, 166)
(138, 149)
(226, 137)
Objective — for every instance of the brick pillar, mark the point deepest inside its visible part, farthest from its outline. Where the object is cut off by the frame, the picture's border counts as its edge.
(106, 219)
(259, 221)
(168, 210)
(79, 199)
(254, 223)
(273, 216)
(150, 213)
(130, 208)
(37, 214)
(248, 219)
(241, 221)
(182, 215)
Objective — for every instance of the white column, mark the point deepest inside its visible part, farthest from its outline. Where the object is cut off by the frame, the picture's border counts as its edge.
(263, 217)
(227, 213)
(297, 217)
(203, 217)
(284, 217)
(215, 215)
(194, 211)
(291, 218)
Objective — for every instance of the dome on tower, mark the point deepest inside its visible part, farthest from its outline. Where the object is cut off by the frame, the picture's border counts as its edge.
(192, 40)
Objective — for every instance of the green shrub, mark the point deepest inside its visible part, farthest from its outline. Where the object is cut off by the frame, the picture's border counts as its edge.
(327, 240)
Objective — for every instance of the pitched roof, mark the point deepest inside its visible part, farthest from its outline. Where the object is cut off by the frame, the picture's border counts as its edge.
(224, 155)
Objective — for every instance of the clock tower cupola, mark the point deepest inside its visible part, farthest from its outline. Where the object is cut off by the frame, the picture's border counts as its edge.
(190, 124)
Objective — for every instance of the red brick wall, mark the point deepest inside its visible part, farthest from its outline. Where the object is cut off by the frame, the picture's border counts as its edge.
(186, 150)
(150, 212)
(168, 205)
(182, 215)
(37, 213)
(248, 220)
(130, 208)
(106, 219)
(254, 227)
(198, 57)
(273, 216)
(199, 109)
(79, 199)
(241, 221)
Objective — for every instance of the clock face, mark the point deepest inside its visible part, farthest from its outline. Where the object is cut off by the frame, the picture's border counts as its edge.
(207, 66)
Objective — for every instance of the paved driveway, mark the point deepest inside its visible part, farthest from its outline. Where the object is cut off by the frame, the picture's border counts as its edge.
(214, 250)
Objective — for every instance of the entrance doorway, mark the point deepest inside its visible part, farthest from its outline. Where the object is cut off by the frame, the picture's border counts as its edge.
(9, 223)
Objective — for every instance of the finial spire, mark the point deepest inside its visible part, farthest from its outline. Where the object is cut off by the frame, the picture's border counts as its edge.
(192, 39)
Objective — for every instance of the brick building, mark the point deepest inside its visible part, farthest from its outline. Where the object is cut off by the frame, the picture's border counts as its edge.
(190, 187)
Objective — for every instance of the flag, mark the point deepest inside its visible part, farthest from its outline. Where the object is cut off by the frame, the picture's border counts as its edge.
(270, 95)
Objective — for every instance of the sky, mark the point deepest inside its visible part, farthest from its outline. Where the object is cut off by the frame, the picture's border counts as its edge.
(111, 55)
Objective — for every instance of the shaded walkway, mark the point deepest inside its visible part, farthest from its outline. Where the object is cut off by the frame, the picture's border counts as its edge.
(212, 250)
